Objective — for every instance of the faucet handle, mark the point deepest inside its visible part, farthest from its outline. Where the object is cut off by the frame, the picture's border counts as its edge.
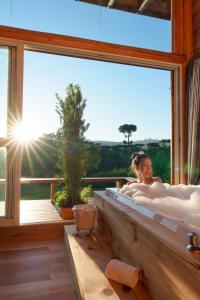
(193, 239)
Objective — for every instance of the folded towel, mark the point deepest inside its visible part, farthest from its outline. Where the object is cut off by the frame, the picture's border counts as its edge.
(123, 273)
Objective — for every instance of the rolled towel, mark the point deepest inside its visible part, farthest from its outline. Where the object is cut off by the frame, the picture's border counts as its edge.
(122, 273)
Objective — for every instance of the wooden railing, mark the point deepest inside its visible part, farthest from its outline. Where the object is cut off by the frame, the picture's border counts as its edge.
(119, 182)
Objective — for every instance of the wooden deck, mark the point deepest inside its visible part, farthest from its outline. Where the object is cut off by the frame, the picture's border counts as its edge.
(38, 211)
(39, 270)
(91, 252)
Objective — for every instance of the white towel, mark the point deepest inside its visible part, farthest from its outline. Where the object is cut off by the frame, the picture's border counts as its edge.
(122, 273)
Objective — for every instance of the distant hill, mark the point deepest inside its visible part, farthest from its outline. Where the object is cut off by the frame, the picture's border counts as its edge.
(110, 143)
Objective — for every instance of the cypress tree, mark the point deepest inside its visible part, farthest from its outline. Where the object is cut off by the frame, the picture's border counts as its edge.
(71, 134)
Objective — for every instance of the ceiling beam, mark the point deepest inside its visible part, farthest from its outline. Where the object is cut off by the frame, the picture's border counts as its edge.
(111, 3)
(144, 4)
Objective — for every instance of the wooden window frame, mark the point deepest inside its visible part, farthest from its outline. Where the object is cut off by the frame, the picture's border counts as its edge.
(57, 44)
(15, 88)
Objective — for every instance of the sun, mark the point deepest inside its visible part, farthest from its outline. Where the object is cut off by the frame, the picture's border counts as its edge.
(25, 132)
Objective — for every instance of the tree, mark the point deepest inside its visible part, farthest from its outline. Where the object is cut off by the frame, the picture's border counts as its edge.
(92, 158)
(127, 130)
(71, 135)
(153, 145)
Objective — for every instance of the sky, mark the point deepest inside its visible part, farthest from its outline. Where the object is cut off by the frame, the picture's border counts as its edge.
(116, 94)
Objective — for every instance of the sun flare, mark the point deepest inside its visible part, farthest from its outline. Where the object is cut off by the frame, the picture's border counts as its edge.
(26, 132)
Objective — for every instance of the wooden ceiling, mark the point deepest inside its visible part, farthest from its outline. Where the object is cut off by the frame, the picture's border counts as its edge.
(155, 8)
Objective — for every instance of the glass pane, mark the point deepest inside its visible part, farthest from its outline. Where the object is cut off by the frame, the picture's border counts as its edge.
(139, 23)
(123, 95)
(3, 90)
(2, 181)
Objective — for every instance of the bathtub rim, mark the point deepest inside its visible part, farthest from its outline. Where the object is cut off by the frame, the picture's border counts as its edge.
(170, 223)
(173, 240)
(166, 248)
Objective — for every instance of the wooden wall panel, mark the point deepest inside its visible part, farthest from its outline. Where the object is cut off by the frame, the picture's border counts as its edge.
(196, 25)
(168, 270)
(30, 233)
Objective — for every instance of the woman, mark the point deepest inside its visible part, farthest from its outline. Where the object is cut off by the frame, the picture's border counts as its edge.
(142, 167)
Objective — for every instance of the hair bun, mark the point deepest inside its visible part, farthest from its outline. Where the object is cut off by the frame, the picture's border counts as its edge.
(135, 154)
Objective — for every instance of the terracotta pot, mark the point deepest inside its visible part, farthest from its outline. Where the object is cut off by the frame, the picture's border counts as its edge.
(67, 213)
(85, 215)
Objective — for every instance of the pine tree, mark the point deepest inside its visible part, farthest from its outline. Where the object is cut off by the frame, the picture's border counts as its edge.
(127, 130)
(71, 134)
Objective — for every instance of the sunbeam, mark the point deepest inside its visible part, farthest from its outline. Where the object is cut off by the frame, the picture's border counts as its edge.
(25, 133)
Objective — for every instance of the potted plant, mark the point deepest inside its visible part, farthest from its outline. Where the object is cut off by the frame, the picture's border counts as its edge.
(87, 194)
(85, 214)
(60, 199)
(72, 142)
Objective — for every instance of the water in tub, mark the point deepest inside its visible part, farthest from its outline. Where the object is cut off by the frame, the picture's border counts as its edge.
(180, 202)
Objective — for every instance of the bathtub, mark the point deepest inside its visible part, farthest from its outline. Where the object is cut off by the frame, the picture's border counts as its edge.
(151, 241)
(170, 221)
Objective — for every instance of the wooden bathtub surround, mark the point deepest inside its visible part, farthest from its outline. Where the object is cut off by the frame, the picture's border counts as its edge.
(169, 270)
(35, 271)
(89, 255)
(31, 233)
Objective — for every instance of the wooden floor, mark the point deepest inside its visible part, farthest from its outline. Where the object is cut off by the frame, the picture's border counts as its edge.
(38, 211)
(37, 270)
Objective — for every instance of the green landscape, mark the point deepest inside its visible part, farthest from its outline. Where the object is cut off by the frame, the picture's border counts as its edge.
(101, 160)
(53, 155)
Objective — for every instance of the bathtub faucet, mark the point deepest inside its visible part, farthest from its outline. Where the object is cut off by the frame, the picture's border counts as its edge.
(193, 242)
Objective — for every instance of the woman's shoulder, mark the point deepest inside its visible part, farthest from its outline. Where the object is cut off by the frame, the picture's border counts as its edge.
(133, 181)
(157, 179)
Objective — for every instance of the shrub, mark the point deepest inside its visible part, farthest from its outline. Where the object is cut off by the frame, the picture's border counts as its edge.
(86, 194)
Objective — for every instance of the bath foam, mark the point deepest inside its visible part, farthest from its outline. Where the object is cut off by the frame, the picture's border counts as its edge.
(180, 202)
(192, 219)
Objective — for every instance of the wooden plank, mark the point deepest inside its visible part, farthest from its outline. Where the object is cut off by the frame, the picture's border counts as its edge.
(196, 25)
(187, 29)
(176, 21)
(38, 211)
(187, 50)
(182, 40)
(30, 233)
(60, 44)
(89, 252)
(52, 191)
(37, 270)
(160, 253)
(60, 180)
(182, 43)
(183, 129)
(169, 238)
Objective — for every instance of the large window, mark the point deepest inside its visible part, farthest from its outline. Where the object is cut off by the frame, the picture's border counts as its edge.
(139, 23)
(94, 21)
(116, 95)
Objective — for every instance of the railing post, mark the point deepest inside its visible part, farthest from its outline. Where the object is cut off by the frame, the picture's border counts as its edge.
(53, 190)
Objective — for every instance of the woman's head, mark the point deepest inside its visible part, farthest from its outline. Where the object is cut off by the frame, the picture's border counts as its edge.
(141, 165)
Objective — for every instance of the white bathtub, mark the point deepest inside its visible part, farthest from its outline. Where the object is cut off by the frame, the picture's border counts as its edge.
(166, 207)
(160, 215)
